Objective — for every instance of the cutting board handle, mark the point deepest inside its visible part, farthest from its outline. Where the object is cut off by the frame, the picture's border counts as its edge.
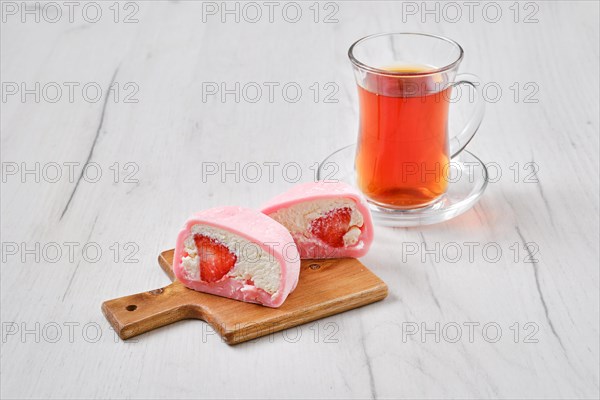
(143, 312)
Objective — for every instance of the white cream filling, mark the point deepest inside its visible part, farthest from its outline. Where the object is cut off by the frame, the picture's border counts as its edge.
(351, 237)
(298, 218)
(253, 262)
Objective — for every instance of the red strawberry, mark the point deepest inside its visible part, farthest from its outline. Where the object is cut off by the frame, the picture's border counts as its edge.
(215, 259)
(332, 227)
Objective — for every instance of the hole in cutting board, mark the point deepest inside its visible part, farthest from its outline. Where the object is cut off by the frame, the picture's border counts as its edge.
(131, 307)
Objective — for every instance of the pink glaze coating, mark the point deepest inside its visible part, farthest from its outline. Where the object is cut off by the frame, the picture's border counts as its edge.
(306, 192)
(256, 228)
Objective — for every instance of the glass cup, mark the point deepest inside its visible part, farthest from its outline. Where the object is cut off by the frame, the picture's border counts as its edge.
(405, 83)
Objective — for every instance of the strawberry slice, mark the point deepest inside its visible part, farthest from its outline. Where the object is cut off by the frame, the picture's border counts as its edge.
(215, 259)
(332, 227)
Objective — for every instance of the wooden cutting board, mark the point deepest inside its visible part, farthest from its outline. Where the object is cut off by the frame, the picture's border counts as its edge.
(326, 287)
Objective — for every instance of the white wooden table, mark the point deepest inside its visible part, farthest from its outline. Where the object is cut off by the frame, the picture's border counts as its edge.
(469, 315)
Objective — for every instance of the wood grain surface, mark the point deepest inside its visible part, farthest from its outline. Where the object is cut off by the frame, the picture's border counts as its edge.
(325, 287)
(524, 259)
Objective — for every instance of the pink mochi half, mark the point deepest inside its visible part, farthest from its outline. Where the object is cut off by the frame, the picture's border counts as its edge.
(326, 219)
(266, 266)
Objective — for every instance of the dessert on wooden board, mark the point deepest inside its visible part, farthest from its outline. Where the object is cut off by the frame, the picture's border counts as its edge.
(326, 219)
(239, 253)
(255, 256)
(243, 254)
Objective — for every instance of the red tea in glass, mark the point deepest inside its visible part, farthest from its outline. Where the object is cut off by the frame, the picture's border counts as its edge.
(402, 157)
(404, 150)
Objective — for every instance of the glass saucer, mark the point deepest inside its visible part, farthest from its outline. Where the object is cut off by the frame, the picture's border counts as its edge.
(467, 182)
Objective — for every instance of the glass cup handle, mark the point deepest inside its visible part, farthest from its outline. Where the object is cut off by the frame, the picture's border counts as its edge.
(460, 141)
